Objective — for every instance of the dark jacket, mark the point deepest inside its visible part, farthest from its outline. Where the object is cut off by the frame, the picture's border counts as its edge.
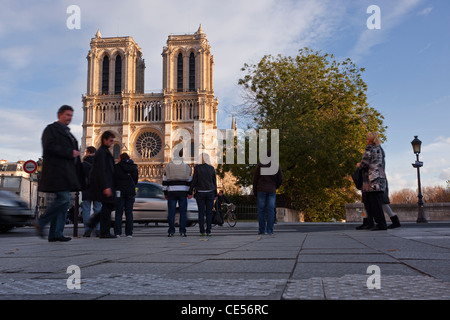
(266, 183)
(60, 170)
(204, 178)
(386, 199)
(102, 175)
(126, 178)
(87, 167)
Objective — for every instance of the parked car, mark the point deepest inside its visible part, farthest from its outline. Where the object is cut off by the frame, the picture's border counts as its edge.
(151, 206)
(14, 211)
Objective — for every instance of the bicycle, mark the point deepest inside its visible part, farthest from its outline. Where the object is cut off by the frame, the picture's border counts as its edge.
(230, 215)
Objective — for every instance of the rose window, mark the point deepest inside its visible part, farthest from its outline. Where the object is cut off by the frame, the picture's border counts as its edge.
(148, 144)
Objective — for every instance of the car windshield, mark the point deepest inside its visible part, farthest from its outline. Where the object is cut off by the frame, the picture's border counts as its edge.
(148, 191)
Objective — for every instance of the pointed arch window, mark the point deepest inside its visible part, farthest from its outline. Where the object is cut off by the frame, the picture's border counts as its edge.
(118, 75)
(180, 73)
(105, 75)
(192, 72)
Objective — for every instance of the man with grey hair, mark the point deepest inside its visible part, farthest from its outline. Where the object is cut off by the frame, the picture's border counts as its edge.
(176, 182)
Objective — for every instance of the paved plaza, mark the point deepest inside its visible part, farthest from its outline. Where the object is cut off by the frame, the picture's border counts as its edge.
(300, 261)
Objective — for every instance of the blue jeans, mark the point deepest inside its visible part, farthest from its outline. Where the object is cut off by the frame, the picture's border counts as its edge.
(205, 203)
(56, 215)
(172, 207)
(86, 212)
(265, 202)
(124, 203)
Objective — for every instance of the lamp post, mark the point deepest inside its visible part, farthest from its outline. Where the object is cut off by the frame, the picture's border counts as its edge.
(416, 144)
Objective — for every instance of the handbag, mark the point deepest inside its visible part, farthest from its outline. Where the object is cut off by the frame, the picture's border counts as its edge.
(357, 177)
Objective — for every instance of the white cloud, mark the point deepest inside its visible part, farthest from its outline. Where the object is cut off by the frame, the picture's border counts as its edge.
(425, 11)
(435, 171)
(392, 14)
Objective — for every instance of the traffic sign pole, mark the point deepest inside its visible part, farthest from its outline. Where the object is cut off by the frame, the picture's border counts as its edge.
(30, 167)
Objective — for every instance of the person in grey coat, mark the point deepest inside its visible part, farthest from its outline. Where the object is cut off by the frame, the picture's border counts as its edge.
(374, 180)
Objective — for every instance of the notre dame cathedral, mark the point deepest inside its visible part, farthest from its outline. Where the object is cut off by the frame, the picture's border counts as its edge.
(144, 122)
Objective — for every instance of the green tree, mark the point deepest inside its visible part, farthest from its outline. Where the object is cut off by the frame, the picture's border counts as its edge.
(320, 107)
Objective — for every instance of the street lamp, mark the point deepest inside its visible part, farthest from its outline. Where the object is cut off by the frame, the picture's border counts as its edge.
(416, 144)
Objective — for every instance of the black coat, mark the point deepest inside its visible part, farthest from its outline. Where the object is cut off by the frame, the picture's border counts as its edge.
(126, 178)
(102, 175)
(204, 178)
(60, 170)
(266, 183)
(87, 167)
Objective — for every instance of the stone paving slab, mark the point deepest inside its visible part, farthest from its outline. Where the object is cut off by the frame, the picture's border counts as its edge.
(300, 261)
(354, 287)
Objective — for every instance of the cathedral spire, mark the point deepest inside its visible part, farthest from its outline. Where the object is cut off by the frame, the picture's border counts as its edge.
(98, 34)
(200, 29)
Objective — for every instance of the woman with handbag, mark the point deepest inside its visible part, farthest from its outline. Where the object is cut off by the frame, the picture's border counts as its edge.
(374, 181)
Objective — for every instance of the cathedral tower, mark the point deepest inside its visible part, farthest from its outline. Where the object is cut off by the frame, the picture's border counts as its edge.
(144, 123)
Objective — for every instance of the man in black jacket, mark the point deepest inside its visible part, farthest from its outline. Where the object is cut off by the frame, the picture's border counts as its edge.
(126, 179)
(102, 185)
(264, 188)
(205, 185)
(61, 173)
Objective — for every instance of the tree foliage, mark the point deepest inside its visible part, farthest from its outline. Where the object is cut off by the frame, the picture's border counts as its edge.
(320, 107)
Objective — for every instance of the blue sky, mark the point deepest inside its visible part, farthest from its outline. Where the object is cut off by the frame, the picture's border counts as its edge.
(43, 63)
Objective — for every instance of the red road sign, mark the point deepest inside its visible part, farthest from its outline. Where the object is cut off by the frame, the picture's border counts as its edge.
(30, 166)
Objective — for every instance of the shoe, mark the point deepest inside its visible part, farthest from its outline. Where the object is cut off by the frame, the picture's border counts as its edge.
(208, 234)
(202, 234)
(117, 235)
(130, 236)
(86, 234)
(395, 223)
(107, 236)
(170, 235)
(62, 239)
(366, 225)
(183, 235)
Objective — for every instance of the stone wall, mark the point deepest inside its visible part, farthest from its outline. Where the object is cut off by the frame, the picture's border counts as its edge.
(405, 212)
(289, 215)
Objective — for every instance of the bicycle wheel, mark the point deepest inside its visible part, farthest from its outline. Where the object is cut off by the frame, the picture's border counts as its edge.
(231, 219)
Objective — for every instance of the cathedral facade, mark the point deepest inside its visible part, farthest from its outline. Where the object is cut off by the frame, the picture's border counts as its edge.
(145, 123)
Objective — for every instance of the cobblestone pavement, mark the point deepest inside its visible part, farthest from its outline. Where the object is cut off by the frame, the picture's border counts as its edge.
(300, 261)
(347, 287)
